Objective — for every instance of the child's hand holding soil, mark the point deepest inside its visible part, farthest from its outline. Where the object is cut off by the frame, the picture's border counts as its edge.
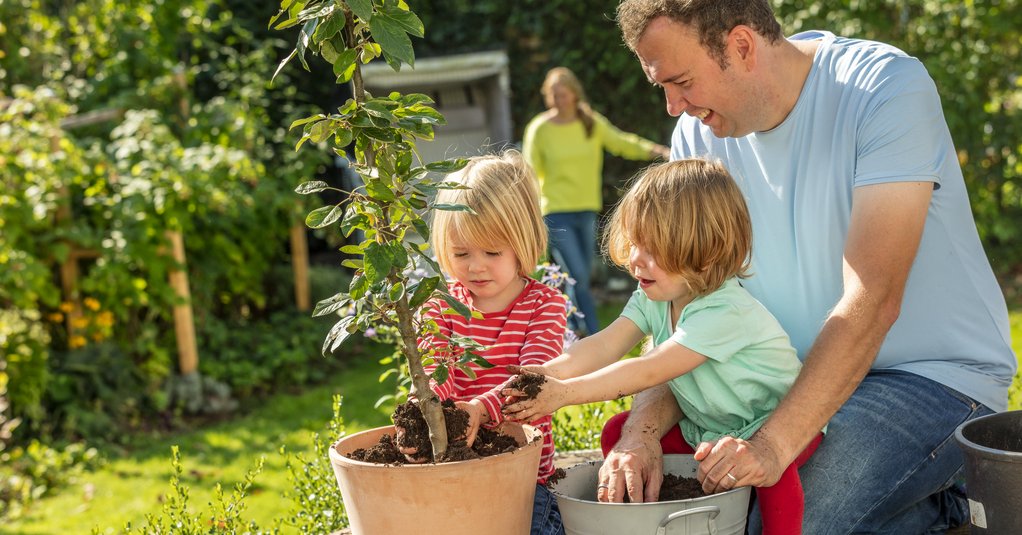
(531, 395)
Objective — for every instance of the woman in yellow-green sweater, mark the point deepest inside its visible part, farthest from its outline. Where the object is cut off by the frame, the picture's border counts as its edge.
(565, 146)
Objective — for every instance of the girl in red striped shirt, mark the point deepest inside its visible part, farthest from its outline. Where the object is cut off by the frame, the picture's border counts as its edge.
(488, 254)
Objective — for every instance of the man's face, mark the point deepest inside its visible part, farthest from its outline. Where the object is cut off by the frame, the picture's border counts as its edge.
(694, 83)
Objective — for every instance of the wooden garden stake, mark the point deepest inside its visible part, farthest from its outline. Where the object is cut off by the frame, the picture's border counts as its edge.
(300, 263)
(184, 322)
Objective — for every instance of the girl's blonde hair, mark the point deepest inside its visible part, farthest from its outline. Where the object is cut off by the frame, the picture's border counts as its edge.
(501, 191)
(563, 77)
(691, 217)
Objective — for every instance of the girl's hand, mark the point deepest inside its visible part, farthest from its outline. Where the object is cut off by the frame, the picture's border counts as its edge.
(552, 396)
(477, 415)
(411, 454)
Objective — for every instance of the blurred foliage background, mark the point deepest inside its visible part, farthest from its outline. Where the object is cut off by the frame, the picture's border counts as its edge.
(193, 139)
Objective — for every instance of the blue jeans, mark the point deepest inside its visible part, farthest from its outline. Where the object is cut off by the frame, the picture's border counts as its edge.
(889, 460)
(546, 517)
(573, 236)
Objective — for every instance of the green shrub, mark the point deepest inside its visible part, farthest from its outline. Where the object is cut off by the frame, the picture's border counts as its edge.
(35, 471)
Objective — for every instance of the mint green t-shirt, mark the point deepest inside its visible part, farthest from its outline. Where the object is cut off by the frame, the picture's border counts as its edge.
(750, 364)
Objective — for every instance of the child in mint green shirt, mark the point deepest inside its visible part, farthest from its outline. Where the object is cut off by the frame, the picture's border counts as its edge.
(683, 232)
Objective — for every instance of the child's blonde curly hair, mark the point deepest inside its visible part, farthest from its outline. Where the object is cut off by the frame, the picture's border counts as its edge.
(691, 217)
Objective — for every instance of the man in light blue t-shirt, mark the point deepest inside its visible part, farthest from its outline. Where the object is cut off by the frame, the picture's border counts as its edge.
(865, 250)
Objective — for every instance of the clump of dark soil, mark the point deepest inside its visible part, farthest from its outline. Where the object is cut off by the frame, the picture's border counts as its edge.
(558, 475)
(384, 452)
(408, 417)
(416, 435)
(489, 442)
(680, 488)
(529, 383)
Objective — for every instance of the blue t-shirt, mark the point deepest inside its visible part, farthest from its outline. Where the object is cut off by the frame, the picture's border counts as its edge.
(868, 114)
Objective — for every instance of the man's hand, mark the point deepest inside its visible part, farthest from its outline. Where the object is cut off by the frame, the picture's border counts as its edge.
(632, 468)
(732, 462)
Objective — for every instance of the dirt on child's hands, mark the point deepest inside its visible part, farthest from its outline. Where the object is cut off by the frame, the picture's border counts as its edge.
(411, 454)
(521, 408)
(477, 415)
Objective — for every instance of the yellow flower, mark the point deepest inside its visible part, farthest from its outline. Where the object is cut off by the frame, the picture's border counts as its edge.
(55, 317)
(66, 307)
(79, 323)
(76, 341)
(105, 319)
(91, 303)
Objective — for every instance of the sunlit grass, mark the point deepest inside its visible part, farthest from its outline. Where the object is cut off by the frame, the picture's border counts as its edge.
(133, 484)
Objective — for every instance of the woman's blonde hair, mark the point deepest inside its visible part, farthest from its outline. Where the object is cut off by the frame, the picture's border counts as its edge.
(691, 217)
(563, 77)
(501, 190)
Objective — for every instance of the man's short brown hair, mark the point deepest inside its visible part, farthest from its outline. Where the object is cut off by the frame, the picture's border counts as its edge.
(711, 19)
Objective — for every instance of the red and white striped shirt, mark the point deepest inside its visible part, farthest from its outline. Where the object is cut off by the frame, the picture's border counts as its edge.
(530, 331)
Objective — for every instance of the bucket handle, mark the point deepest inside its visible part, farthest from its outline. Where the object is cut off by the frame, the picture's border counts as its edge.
(711, 511)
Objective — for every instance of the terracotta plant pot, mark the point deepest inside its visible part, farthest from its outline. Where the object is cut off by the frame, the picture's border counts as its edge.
(491, 495)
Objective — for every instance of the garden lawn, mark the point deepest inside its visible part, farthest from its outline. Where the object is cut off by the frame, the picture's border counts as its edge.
(134, 484)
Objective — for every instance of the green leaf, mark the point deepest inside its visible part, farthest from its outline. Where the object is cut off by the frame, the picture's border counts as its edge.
(403, 162)
(453, 207)
(329, 27)
(447, 166)
(362, 9)
(280, 66)
(392, 38)
(422, 228)
(459, 307)
(476, 359)
(342, 136)
(352, 249)
(337, 335)
(398, 255)
(304, 37)
(397, 291)
(300, 122)
(412, 99)
(440, 374)
(359, 286)
(344, 65)
(353, 263)
(380, 134)
(378, 262)
(467, 370)
(429, 260)
(379, 109)
(331, 304)
(324, 216)
(423, 291)
(376, 189)
(312, 186)
(320, 131)
(370, 52)
(407, 20)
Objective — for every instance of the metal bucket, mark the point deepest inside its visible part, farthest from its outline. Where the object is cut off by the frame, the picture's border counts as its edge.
(993, 471)
(719, 514)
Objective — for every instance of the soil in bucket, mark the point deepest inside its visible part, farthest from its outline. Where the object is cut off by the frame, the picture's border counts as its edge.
(416, 435)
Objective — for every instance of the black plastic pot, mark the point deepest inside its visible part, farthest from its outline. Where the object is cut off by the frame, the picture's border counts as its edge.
(993, 471)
